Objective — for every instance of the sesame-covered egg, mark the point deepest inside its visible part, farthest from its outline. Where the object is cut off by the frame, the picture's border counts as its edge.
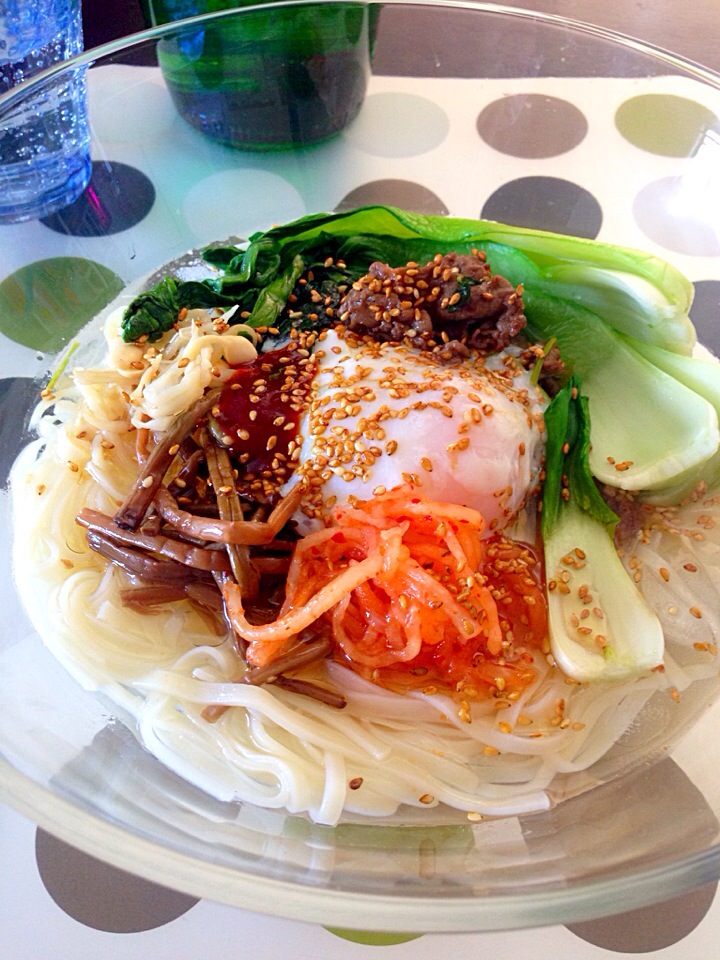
(383, 414)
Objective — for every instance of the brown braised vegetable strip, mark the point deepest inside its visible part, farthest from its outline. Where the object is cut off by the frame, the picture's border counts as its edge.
(250, 532)
(191, 556)
(222, 477)
(140, 564)
(207, 594)
(208, 602)
(199, 595)
(202, 592)
(186, 475)
(313, 690)
(271, 566)
(151, 525)
(153, 470)
(286, 507)
(152, 594)
(280, 546)
(301, 655)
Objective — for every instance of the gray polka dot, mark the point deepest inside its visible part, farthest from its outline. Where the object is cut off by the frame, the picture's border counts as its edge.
(682, 824)
(398, 193)
(676, 213)
(117, 198)
(398, 125)
(546, 203)
(705, 313)
(650, 928)
(531, 125)
(101, 896)
(17, 396)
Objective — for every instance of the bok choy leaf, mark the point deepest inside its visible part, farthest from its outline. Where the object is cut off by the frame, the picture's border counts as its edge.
(601, 628)
(649, 430)
(652, 430)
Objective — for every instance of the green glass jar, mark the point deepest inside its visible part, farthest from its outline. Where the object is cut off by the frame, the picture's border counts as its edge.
(266, 80)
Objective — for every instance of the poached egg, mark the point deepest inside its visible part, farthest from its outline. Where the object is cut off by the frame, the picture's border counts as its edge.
(385, 414)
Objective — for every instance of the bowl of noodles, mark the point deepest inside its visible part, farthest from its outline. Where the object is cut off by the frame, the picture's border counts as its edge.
(361, 537)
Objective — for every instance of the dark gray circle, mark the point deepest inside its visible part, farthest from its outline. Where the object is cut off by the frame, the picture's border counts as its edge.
(101, 896)
(117, 198)
(398, 193)
(649, 928)
(705, 313)
(546, 203)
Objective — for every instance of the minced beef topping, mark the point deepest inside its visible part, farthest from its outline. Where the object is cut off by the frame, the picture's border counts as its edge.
(451, 305)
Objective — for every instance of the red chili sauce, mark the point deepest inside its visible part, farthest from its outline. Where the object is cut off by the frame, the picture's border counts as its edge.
(259, 414)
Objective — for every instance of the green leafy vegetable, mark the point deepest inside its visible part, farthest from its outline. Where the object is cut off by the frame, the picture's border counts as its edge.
(565, 265)
(152, 313)
(703, 378)
(649, 429)
(631, 304)
(567, 422)
(601, 628)
(652, 430)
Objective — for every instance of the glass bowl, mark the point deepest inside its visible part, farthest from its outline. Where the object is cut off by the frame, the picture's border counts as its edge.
(470, 109)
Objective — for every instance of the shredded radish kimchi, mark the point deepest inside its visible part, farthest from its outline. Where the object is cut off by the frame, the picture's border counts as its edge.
(415, 597)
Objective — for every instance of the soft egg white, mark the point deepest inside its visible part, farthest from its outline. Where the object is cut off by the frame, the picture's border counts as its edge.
(382, 415)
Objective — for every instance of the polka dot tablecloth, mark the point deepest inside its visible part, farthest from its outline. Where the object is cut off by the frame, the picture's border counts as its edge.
(60, 903)
(536, 155)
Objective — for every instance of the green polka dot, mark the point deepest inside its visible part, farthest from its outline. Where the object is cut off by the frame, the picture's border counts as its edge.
(665, 124)
(372, 939)
(44, 304)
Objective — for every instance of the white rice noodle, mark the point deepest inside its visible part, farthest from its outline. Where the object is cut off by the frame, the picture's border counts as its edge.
(277, 749)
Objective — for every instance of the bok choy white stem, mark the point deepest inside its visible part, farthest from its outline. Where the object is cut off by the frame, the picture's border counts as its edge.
(600, 626)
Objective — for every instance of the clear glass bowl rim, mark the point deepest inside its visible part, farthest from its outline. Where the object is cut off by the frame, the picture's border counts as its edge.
(131, 41)
(156, 862)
